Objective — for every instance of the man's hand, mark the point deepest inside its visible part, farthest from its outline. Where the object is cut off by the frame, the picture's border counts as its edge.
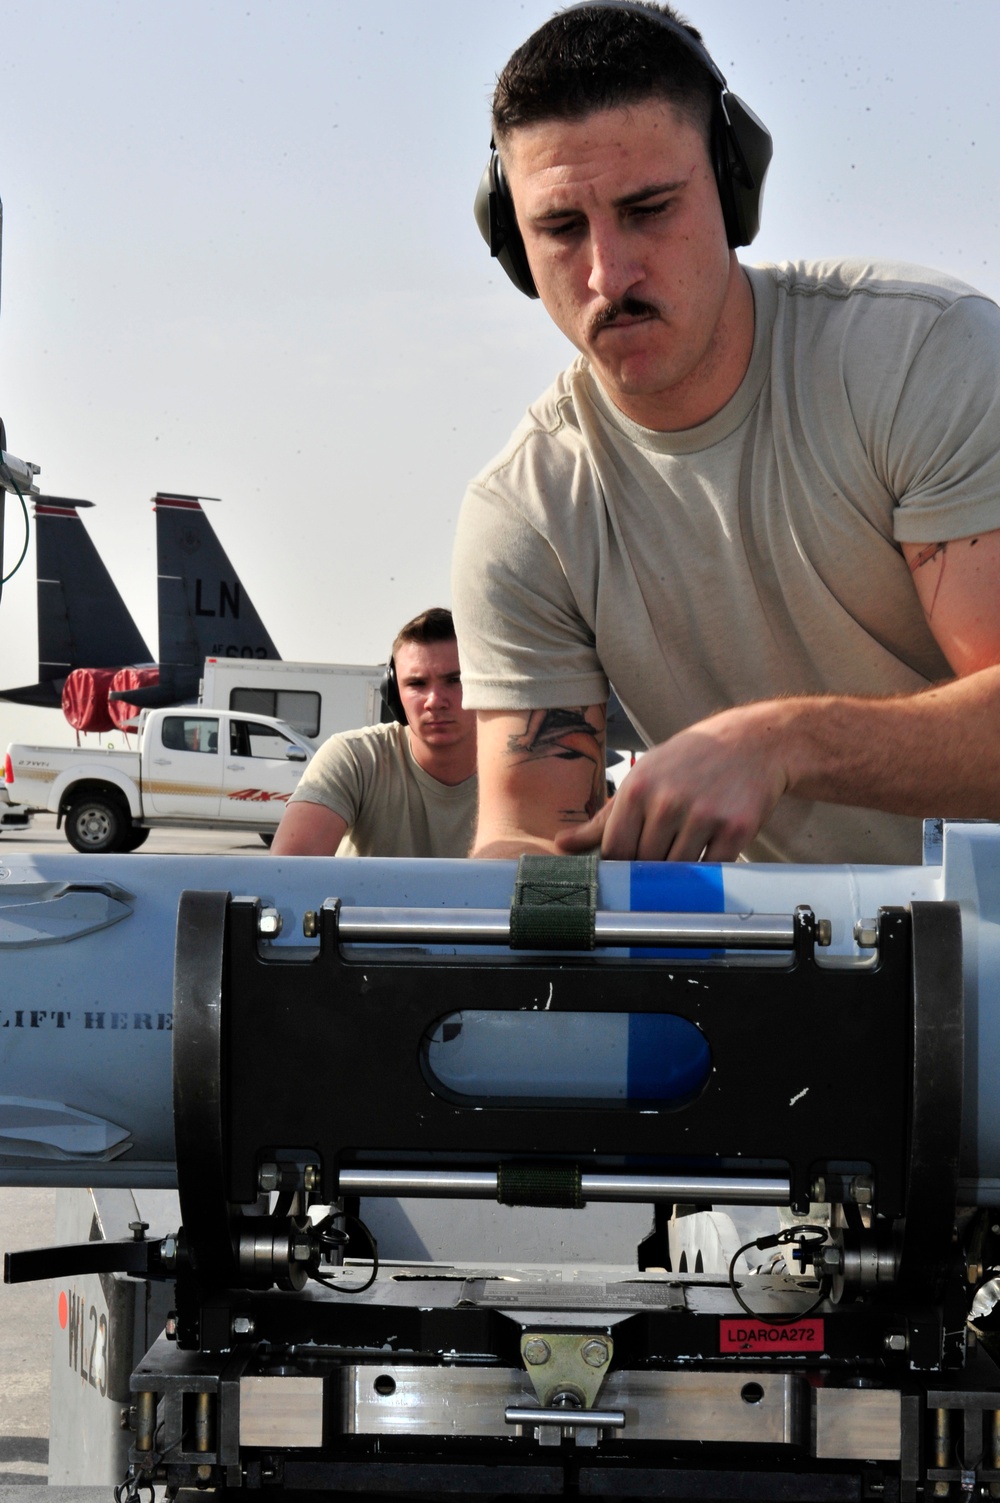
(704, 794)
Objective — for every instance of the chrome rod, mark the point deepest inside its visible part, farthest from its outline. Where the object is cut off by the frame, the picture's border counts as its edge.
(449, 1184)
(491, 926)
(593, 1419)
(770, 1191)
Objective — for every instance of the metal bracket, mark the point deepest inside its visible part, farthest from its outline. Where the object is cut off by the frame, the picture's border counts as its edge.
(563, 1365)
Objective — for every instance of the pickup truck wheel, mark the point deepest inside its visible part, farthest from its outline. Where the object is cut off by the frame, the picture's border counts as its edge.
(139, 835)
(267, 840)
(98, 823)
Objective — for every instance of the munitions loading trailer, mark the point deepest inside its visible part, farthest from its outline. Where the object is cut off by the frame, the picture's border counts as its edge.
(848, 1363)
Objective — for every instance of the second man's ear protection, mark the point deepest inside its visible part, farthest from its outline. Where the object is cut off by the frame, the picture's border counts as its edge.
(741, 151)
(392, 705)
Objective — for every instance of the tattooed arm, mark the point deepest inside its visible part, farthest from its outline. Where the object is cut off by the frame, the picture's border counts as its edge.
(540, 771)
(707, 791)
(958, 585)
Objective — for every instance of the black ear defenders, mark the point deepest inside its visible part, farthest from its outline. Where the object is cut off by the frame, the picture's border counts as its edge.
(392, 704)
(741, 152)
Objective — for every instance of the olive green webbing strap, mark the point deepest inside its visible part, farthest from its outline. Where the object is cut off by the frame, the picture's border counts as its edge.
(555, 902)
(555, 1185)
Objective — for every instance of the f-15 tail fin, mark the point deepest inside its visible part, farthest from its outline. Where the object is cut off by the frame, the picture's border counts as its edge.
(83, 622)
(204, 609)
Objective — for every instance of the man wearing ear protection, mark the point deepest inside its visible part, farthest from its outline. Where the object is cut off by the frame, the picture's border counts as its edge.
(764, 501)
(406, 787)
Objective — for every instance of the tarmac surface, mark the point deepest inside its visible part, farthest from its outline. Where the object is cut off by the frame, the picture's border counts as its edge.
(27, 1220)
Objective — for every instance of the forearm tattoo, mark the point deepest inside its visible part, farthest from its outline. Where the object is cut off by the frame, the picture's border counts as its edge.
(570, 737)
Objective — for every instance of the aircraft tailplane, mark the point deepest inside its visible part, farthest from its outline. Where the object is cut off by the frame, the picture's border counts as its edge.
(204, 609)
(178, 685)
(45, 695)
(83, 622)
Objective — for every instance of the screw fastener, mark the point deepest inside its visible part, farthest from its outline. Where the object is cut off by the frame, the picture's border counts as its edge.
(594, 1353)
(537, 1351)
(861, 1190)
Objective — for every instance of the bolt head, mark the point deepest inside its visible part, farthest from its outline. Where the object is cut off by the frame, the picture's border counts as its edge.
(537, 1351)
(310, 924)
(267, 1178)
(895, 1342)
(595, 1353)
(170, 1326)
(269, 922)
(861, 1190)
(243, 1325)
(829, 1259)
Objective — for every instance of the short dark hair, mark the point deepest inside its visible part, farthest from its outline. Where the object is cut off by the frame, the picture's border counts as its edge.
(593, 57)
(435, 625)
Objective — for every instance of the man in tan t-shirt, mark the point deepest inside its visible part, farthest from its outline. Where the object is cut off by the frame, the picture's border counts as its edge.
(403, 788)
(623, 179)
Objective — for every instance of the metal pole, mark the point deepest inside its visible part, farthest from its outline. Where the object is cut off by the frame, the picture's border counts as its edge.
(487, 926)
(482, 1185)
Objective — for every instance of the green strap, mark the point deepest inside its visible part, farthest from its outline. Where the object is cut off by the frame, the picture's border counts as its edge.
(555, 1185)
(555, 902)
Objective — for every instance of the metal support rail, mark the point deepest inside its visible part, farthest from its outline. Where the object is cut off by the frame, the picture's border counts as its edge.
(482, 1185)
(594, 1419)
(488, 926)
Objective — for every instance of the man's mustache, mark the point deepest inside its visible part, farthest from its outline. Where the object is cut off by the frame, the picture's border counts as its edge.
(633, 307)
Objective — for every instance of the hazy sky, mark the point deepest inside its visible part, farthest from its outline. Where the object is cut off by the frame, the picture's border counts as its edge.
(239, 260)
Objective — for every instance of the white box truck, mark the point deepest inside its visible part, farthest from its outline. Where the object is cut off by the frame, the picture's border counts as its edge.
(315, 699)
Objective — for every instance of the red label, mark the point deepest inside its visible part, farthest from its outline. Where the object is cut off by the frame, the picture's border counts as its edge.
(751, 1335)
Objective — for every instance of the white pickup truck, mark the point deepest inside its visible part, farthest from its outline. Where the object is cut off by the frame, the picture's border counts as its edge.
(12, 816)
(213, 768)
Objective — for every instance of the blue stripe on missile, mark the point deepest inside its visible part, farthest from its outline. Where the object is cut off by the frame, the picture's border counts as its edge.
(676, 887)
(667, 1058)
